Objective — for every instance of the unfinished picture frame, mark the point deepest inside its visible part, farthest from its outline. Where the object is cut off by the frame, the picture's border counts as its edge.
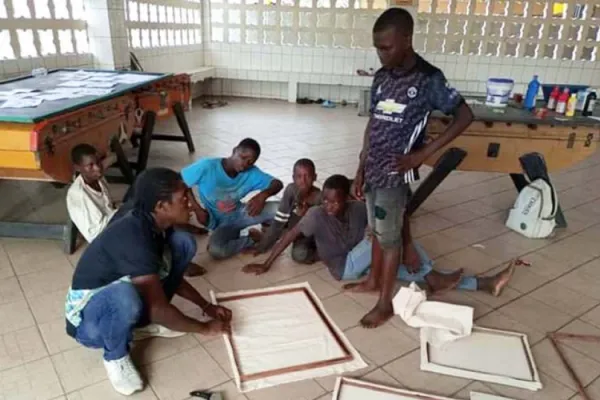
(355, 389)
(488, 355)
(486, 396)
(281, 335)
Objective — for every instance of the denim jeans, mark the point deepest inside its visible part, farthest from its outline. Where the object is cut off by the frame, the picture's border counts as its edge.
(111, 315)
(225, 241)
(358, 263)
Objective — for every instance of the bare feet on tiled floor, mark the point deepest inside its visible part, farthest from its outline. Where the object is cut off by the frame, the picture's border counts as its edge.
(559, 291)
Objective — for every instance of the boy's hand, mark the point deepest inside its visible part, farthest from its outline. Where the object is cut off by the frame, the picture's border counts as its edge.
(218, 312)
(412, 160)
(357, 186)
(216, 327)
(256, 269)
(301, 208)
(256, 205)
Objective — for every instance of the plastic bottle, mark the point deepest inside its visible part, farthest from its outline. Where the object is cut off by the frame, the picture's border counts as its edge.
(581, 96)
(553, 98)
(590, 102)
(561, 104)
(571, 105)
(532, 91)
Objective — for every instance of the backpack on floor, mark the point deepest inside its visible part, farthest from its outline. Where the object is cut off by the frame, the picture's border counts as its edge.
(533, 214)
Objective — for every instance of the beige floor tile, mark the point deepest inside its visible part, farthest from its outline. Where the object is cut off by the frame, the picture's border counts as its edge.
(29, 256)
(548, 361)
(510, 245)
(406, 370)
(465, 393)
(33, 381)
(552, 390)
(590, 349)
(155, 349)
(428, 223)
(303, 390)
(476, 231)
(344, 311)
(508, 295)
(79, 367)
(285, 268)
(55, 336)
(6, 269)
(104, 391)
(592, 317)
(321, 288)
(570, 252)
(593, 391)
(228, 390)
(379, 376)
(546, 266)
(381, 345)
(574, 303)
(584, 279)
(15, 316)
(217, 350)
(175, 377)
(20, 347)
(470, 259)
(231, 279)
(48, 280)
(48, 306)
(498, 320)
(10, 290)
(532, 312)
(438, 244)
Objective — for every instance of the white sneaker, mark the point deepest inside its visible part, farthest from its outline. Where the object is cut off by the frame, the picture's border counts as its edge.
(155, 330)
(123, 375)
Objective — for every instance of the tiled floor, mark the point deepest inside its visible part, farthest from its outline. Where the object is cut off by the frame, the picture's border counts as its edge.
(559, 291)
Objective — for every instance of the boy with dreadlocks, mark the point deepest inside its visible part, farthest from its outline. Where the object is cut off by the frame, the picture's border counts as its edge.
(121, 289)
(404, 92)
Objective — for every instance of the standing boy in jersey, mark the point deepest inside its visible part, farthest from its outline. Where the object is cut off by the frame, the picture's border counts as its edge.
(405, 91)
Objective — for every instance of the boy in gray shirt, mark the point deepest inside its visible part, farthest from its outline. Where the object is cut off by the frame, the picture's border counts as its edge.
(298, 197)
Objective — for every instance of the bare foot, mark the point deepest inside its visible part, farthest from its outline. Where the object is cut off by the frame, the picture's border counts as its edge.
(194, 269)
(378, 316)
(439, 282)
(365, 286)
(496, 284)
(410, 258)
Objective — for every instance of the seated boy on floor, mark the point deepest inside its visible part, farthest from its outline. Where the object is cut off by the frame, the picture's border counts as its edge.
(222, 183)
(339, 229)
(122, 288)
(298, 197)
(89, 203)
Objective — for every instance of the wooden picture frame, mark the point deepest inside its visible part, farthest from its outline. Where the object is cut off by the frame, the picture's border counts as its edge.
(488, 355)
(486, 396)
(247, 331)
(354, 389)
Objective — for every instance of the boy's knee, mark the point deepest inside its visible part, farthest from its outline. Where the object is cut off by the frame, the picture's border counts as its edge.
(183, 243)
(217, 250)
(301, 254)
(128, 301)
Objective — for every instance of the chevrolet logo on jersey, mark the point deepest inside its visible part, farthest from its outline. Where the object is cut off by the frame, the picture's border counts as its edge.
(388, 110)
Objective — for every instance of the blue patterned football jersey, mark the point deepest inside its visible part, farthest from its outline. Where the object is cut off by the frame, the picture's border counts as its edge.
(401, 102)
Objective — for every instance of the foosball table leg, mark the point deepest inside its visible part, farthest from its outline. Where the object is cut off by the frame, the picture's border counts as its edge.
(122, 161)
(70, 237)
(183, 125)
(447, 163)
(534, 166)
(145, 140)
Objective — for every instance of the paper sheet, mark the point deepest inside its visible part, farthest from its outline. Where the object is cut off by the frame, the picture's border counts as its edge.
(441, 322)
(596, 118)
(73, 84)
(97, 84)
(133, 78)
(21, 103)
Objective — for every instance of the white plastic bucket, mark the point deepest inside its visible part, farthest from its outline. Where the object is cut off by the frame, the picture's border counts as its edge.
(498, 92)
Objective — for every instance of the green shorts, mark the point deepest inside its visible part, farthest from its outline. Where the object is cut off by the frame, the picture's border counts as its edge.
(385, 211)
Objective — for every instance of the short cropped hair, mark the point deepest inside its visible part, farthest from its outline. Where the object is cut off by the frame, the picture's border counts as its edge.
(338, 182)
(306, 163)
(250, 144)
(82, 150)
(154, 185)
(396, 18)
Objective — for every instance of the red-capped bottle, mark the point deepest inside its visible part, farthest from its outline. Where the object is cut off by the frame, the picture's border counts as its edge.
(553, 99)
(563, 99)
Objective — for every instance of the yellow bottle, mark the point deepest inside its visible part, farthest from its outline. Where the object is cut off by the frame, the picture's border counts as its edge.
(571, 105)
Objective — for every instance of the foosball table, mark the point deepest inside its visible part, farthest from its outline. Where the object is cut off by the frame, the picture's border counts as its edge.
(36, 137)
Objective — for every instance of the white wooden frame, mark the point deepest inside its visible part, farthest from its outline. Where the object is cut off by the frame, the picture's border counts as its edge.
(457, 370)
(350, 360)
(405, 394)
(485, 396)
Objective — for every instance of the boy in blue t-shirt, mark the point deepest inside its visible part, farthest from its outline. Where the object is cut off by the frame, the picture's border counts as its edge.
(222, 184)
